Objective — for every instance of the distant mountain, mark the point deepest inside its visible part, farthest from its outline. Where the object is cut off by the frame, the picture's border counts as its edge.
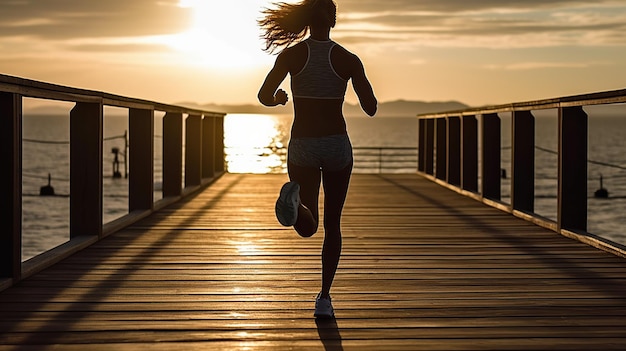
(396, 108)
(48, 110)
(407, 108)
(243, 108)
(385, 109)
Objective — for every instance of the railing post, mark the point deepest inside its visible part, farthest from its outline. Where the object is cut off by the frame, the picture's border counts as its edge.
(208, 141)
(421, 150)
(572, 197)
(491, 148)
(429, 150)
(469, 135)
(172, 154)
(86, 169)
(220, 161)
(11, 186)
(454, 151)
(193, 150)
(441, 162)
(141, 177)
(523, 161)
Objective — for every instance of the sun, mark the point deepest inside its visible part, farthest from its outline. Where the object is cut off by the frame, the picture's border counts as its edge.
(222, 34)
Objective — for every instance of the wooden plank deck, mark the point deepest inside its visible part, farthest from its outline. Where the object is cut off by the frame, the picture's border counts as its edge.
(422, 268)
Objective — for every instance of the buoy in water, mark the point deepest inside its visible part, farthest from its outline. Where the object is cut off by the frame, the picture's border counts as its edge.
(601, 193)
(116, 163)
(47, 190)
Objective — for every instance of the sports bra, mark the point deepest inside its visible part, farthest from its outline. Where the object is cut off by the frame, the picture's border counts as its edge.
(318, 78)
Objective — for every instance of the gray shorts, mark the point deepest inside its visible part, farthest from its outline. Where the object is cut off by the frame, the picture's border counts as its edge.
(329, 153)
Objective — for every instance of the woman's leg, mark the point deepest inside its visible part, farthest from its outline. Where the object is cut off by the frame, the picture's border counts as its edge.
(308, 212)
(335, 191)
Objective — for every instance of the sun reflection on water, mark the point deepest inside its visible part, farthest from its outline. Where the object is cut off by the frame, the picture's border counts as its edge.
(255, 143)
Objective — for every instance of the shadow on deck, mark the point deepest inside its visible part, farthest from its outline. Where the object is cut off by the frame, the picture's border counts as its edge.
(422, 268)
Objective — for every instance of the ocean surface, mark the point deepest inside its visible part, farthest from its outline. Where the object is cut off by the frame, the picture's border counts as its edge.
(256, 144)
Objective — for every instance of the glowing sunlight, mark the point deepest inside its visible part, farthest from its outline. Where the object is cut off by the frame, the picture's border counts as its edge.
(254, 143)
(223, 34)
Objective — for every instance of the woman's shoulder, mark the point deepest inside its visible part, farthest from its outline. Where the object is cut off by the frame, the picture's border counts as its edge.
(341, 53)
(295, 50)
(294, 57)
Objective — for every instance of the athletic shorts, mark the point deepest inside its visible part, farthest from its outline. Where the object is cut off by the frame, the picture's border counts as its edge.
(328, 153)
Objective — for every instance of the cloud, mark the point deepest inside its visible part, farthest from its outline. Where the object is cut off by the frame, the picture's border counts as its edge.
(484, 23)
(524, 66)
(448, 23)
(456, 6)
(61, 19)
(118, 48)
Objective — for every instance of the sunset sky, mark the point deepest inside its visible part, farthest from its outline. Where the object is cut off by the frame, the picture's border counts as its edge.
(205, 51)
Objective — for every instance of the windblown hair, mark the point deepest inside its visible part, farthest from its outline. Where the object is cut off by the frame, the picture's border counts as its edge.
(289, 23)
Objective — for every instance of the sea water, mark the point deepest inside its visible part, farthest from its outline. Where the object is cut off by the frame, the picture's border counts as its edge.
(257, 144)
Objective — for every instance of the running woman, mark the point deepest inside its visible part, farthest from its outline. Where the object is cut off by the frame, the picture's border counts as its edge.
(319, 150)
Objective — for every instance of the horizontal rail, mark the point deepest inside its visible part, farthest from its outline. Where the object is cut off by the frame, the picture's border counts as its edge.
(384, 159)
(600, 98)
(369, 159)
(201, 141)
(42, 90)
(450, 142)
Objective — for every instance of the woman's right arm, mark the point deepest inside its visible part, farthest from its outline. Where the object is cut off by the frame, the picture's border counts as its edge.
(269, 94)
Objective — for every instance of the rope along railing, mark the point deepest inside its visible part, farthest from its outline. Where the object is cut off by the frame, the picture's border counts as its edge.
(201, 141)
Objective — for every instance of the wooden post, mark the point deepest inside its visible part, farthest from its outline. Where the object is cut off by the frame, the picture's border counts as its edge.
(523, 162)
(220, 161)
(193, 150)
(208, 141)
(172, 154)
(572, 198)
(491, 148)
(469, 135)
(429, 150)
(86, 169)
(11, 186)
(141, 178)
(421, 151)
(454, 151)
(441, 161)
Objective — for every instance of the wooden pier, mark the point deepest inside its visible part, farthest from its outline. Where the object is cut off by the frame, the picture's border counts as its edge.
(423, 268)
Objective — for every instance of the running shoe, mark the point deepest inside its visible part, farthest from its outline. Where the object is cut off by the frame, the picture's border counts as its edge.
(287, 204)
(323, 307)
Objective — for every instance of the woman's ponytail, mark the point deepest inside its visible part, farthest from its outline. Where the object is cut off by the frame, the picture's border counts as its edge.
(289, 23)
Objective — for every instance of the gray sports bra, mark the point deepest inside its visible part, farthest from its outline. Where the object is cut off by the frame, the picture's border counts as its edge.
(318, 78)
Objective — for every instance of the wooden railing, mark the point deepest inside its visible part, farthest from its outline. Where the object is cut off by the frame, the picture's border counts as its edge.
(449, 144)
(203, 151)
